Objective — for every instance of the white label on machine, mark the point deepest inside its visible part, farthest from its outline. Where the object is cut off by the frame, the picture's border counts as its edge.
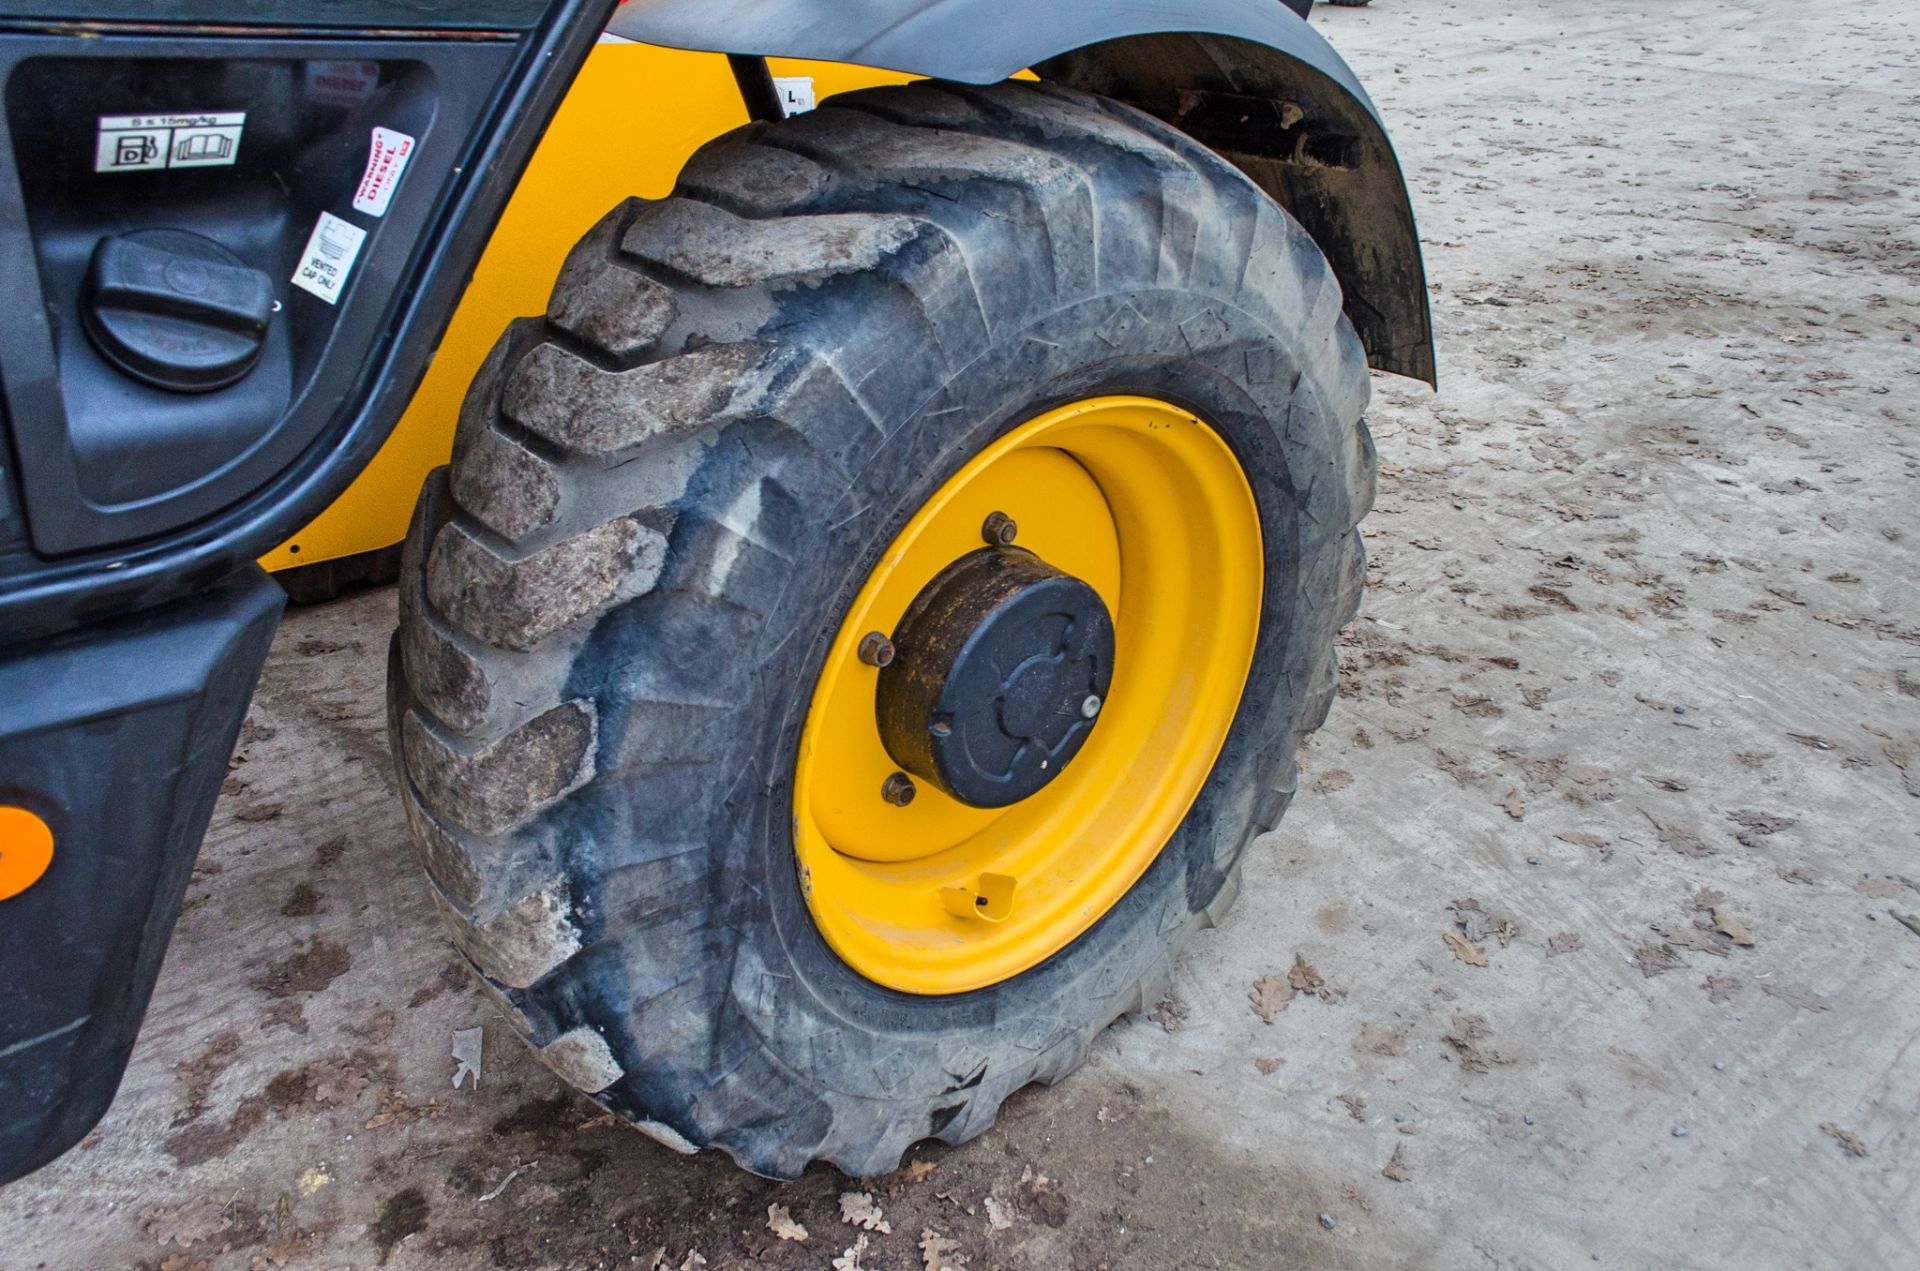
(341, 83)
(331, 250)
(796, 93)
(385, 162)
(147, 143)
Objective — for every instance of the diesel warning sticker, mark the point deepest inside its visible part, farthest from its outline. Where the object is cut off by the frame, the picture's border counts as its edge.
(146, 143)
(328, 259)
(386, 161)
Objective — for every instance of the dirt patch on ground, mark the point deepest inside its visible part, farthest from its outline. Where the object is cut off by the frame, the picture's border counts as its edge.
(309, 970)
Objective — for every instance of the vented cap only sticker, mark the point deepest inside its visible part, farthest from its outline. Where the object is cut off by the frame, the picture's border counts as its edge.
(331, 250)
(386, 162)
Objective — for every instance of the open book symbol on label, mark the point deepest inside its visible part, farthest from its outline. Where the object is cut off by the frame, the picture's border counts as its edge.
(203, 147)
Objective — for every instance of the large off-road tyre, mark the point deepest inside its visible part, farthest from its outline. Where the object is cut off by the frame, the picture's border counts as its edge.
(664, 498)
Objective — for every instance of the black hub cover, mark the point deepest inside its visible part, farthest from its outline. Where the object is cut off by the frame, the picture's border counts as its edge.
(1001, 666)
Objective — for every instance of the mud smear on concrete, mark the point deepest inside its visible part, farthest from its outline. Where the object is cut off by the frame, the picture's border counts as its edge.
(1093, 1173)
(402, 1214)
(308, 970)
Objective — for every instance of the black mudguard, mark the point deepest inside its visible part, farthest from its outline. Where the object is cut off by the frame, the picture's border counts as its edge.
(117, 737)
(1249, 78)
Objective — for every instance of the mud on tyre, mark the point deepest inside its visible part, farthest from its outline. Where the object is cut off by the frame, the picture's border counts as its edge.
(666, 493)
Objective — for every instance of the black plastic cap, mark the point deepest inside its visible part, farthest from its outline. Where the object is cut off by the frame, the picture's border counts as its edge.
(175, 310)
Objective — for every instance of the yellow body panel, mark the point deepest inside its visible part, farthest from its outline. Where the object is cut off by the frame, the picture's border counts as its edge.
(1147, 505)
(628, 124)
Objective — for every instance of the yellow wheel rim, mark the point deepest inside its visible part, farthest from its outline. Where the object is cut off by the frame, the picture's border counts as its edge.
(1147, 505)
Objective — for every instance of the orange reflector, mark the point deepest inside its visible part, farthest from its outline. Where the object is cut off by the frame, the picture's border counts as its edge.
(26, 849)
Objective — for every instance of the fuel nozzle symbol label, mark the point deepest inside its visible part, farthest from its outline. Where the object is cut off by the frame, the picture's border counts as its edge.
(132, 149)
(145, 143)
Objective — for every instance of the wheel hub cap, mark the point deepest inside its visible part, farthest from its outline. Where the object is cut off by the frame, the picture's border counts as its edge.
(996, 662)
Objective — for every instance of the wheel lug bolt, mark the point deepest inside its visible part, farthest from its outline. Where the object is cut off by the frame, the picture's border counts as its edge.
(999, 530)
(1090, 707)
(876, 649)
(898, 790)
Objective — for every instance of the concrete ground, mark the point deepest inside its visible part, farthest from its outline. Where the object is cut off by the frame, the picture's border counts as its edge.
(1600, 856)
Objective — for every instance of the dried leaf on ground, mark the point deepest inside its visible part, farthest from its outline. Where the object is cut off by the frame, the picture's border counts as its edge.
(1563, 942)
(395, 1110)
(998, 1219)
(860, 1209)
(1720, 988)
(1464, 949)
(1303, 977)
(780, 1222)
(1171, 1013)
(1680, 839)
(939, 1253)
(1692, 935)
(1796, 994)
(1268, 1067)
(1375, 1039)
(375, 1030)
(1656, 959)
(1732, 928)
(1355, 1105)
(294, 1247)
(1515, 803)
(1580, 838)
(1755, 826)
(1396, 1167)
(1331, 780)
(1847, 1139)
(194, 1223)
(333, 1082)
(1882, 888)
(1480, 922)
(851, 1259)
(1045, 1200)
(1269, 997)
(1465, 1037)
(916, 1171)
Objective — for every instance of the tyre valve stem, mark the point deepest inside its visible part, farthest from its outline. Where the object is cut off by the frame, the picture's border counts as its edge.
(989, 900)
